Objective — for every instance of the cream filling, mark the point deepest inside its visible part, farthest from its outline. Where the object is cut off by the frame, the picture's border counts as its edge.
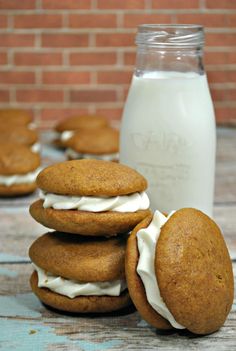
(67, 134)
(124, 203)
(78, 155)
(32, 125)
(27, 178)
(147, 240)
(36, 148)
(72, 288)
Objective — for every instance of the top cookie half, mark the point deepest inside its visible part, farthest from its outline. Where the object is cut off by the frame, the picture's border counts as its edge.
(90, 178)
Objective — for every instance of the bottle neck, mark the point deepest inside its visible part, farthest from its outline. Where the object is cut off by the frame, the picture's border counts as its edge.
(152, 59)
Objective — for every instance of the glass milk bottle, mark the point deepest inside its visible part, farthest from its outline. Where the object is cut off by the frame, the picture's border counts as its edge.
(168, 127)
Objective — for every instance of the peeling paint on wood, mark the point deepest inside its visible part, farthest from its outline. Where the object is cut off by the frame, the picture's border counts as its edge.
(27, 325)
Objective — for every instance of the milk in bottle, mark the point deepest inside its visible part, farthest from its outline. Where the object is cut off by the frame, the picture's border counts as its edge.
(168, 123)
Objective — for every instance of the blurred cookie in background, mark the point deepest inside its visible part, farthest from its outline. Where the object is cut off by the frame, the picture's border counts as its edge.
(66, 128)
(16, 117)
(100, 144)
(19, 167)
(20, 135)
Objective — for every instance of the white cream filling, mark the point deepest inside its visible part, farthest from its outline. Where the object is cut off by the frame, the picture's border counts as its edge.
(27, 178)
(124, 203)
(67, 134)
(72, 288)
(32, 125)
(36, 148)
(78, 155)
(147, 240)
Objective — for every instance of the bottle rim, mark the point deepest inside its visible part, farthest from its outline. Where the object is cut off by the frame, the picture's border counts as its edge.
(170, 35)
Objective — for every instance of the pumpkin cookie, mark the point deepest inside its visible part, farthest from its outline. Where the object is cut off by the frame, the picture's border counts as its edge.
(66, 128)
(91, 197)
(100, 144)
(179, 272)
(19, 167)
(79, 274)
(19, 135)
(15, 117)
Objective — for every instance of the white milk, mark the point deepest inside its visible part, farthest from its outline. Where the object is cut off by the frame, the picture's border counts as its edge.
(168, 134)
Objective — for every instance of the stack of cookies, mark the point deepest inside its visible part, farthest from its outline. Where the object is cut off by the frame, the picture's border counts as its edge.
(92, 205)
(19, 153)
(177, 267)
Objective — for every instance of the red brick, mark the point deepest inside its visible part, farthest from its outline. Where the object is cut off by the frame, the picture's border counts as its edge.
(39, 95)
(221, 76)
(133, 20)
(220, 4)
(129, 58)
(55, 115)
(208, 20)
(218, 94)
(66, 77)
(15, 40)
(66, 5)
(93, 96)
(230, 94)
(38, 21)
(121, 4)
(3, 21)
(231, 20)
(17, 4)
(217, 58)
(64, 40)
(226, 115)
(175, 4)
(92, 58)
(37, 59)
(115, 39)
(110, 113)
(4, 96)
(14, 77)
(221, 39)
(114, 77)
(3, 58)
(92, 21)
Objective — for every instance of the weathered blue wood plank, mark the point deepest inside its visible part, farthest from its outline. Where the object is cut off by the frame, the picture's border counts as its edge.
(26, 324)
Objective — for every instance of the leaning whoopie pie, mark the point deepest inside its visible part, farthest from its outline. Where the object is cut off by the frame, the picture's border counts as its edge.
(66, 128)
(91, 197)
(100, 144)
(15, 117)
(19, 167)
(179, 272)
(19, 135)
(80, 274)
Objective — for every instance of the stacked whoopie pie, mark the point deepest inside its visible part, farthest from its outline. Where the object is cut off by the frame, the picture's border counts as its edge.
(19, 167)
(19, 158)
(177, 267)
(92, 205)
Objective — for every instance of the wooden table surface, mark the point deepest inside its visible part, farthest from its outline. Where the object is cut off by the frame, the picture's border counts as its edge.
(26, 324)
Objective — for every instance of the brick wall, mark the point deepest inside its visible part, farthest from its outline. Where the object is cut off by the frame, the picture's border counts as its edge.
(61, 56)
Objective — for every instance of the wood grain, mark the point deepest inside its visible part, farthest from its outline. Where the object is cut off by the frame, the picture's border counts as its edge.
(25, 324)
